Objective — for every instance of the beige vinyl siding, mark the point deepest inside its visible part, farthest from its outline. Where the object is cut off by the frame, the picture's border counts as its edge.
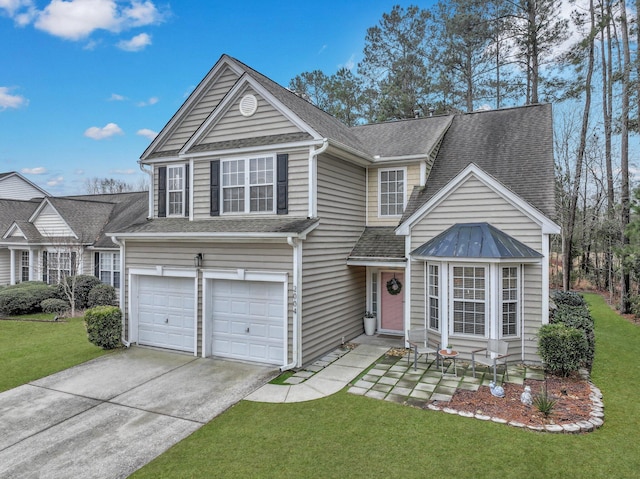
(201, 109)
(266, 121)
(413, 180)
(49, 223)
(230, 256)
(333, 294)
(474, 202)
(5, 259)
(15, 188)
(297, 189)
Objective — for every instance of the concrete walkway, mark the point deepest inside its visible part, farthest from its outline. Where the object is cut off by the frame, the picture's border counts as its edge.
(329, 380)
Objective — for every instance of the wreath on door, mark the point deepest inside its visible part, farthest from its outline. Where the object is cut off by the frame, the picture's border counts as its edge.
(394, 286)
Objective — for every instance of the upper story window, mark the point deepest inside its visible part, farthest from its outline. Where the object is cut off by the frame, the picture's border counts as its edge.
(248, 185)
(175, 190)
(391, 187)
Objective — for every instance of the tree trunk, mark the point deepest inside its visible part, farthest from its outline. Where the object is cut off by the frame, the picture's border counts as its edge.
(625, 282)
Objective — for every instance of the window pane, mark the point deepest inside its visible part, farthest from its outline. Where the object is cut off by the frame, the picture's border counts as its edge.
(391, 192)
(261, 198)
(233, 200)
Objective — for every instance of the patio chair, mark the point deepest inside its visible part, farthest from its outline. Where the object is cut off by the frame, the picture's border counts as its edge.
(495, 352)
(418, 339)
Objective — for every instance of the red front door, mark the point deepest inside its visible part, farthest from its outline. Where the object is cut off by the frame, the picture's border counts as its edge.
(391, 305)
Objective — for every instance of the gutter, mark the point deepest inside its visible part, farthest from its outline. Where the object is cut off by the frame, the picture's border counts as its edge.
(297, 338)
(121, 244)
(150, 173)
(313, 176)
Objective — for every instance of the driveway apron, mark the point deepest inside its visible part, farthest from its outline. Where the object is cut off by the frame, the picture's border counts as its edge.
(110, 416)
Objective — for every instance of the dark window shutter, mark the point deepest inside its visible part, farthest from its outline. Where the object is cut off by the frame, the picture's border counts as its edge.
(162, 192)
(45, 269)
(283, 184)
(96, 265)
(186, 189)
(215, 188)
(73, 263)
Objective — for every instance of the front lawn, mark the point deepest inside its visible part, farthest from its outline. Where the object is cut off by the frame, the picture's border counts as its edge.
(30, 350)
(352, 436)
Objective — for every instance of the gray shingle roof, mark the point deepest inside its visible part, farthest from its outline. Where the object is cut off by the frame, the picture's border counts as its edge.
(513, 145)
(379, 242)
(284, 225)
(15, 210)
(475, 240)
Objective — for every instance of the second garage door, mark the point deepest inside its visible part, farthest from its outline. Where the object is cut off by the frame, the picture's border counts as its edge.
(248, 320)
(166, 314)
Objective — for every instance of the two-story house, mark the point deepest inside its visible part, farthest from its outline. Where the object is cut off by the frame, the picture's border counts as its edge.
(273, 226)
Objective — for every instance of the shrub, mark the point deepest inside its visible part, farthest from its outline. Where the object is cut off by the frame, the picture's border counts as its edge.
(562, 349)
(104, 326)
(569, 298)
(54, 305)
(102, 295)
(579, 317)
(84, 284)
(24, 298)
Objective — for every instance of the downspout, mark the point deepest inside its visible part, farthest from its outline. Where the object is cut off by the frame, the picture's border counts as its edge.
(313, 177)
(150, 173)
(293, 242)
(121, 244)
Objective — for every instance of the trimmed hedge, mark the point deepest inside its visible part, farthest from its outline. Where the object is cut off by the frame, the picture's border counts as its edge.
(24, 298)
(102, 295)
(578, 317)
(563, 349)
(104, 326)
(84, 284)
(54, 305)
(568, 298)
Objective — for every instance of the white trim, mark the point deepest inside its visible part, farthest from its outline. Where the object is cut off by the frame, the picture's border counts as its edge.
(190, 199)
(519, 296)
(383, 263)
(547, 225)
(404, 191)
(182, 168)
(545, 279)
(407, 288)
(246, 275)
(478, 260)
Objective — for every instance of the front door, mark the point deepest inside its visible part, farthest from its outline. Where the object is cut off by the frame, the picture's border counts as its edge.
(391, 305)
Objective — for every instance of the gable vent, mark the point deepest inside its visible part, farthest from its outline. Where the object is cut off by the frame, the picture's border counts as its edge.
(248, 105)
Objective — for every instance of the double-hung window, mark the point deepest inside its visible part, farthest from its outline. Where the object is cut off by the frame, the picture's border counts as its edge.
(248, 185)
(175, 190)
(469, 300)
(433, 296)
(24, 266)
(509, 302)
(58, 265)
(391, 185)
(109, 268)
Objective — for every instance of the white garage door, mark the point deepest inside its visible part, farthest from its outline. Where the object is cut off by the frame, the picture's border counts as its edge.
(248, 320)
(166, 312)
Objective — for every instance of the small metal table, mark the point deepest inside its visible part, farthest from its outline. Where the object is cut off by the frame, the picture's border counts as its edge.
(452, 355)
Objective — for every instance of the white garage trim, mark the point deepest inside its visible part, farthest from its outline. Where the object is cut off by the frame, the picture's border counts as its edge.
(241, 275)
(159, 271)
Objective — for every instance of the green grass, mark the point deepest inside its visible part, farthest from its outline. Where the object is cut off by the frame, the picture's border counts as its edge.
(30, 350)
(351, 436)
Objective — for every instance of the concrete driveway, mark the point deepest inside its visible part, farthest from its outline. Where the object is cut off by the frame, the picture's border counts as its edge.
(110, 416)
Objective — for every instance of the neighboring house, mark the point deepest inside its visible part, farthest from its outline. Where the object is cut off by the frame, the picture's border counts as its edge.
(49, 238)
(273, 226)
(14, 186)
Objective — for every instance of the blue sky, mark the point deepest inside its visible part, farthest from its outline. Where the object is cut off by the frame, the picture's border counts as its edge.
(85, 84)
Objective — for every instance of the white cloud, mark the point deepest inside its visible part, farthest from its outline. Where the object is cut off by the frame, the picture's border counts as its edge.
(147, 133)
(151, 101)
(123, 172)
(7, 100)
(38, 170)
(78, 19)
(116, 97)
(57, 181)
(137, 43)
(79, 171)
(350, 63)
(107, 131)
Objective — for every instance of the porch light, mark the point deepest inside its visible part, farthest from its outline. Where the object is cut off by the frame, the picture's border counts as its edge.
(197, 260)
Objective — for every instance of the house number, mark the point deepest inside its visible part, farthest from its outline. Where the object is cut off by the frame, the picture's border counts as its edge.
(295, 300)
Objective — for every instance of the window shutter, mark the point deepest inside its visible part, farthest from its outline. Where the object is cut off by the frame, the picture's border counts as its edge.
(162, 192)
(73, 266)
(96, 265)
(45, 270)
(283, 184)
(186, 189)
(215, 188)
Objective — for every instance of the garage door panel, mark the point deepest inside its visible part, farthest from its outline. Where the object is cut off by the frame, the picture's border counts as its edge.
(166, 312)
(248, 320)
